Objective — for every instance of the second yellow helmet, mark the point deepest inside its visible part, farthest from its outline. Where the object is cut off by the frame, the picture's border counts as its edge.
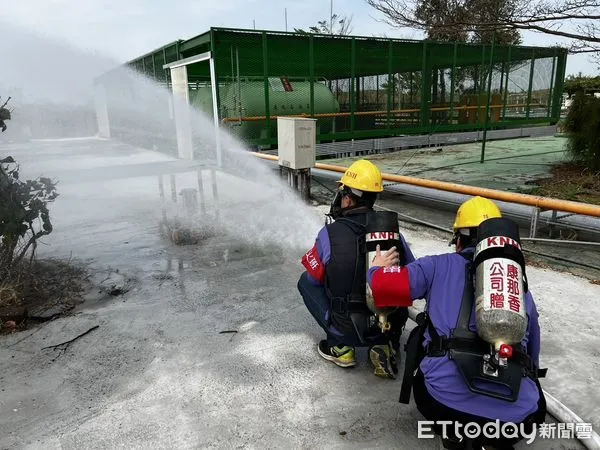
(474, 211)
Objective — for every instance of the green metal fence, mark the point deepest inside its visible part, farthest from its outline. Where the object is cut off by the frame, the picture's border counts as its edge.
(359, 87)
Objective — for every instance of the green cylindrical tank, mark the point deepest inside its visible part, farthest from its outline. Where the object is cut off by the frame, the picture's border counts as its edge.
(247, 99)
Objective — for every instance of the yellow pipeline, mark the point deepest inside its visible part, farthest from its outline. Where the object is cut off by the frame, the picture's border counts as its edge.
(369, 113)
(544, 203)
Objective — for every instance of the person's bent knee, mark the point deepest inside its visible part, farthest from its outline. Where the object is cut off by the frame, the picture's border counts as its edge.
(304, 285)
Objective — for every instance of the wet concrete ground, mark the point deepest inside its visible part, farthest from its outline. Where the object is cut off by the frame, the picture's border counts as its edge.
(159, 372)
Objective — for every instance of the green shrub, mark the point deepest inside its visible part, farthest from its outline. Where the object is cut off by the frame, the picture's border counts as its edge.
(582, 125)
(24, 216)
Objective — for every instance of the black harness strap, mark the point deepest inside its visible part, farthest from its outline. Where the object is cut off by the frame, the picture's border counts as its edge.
(466, 307)
(414, 355)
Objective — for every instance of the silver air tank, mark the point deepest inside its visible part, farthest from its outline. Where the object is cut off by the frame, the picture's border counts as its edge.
(500, 283)
(382, 229)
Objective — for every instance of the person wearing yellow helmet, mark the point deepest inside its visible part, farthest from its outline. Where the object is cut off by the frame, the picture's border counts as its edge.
(446, 355)
(469, 216)
(358, 187)
(333, 286)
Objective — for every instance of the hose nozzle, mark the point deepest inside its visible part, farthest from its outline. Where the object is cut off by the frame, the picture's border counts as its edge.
(383, 323)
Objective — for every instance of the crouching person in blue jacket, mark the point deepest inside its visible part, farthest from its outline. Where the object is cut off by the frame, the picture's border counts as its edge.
(444, 352)
(334, 285)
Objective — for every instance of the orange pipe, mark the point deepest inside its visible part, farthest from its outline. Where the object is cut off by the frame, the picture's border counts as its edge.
(264, 156)
(363, 113)
(544, 203)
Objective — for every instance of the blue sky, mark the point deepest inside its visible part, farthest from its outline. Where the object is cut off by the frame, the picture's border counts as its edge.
(124, 29)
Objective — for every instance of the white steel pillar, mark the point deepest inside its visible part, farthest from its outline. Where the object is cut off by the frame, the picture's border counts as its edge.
(181, 109)
(213, 85)
(179, 81)
(101, 105)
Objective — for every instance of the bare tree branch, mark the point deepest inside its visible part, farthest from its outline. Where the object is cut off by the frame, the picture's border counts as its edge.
(553, 32)
(583, 50)
(538, 16)
(336, 25)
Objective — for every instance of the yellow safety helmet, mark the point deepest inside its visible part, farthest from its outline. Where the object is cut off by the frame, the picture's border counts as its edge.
(364, 176)
(474, 211)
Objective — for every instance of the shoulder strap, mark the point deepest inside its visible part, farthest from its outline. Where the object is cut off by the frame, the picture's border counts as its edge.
(414, 355)
(466, 307)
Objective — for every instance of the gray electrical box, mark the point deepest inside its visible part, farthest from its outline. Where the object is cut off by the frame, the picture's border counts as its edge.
(296, 140)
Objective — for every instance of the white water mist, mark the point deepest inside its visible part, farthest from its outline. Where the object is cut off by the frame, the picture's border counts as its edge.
(47, 78)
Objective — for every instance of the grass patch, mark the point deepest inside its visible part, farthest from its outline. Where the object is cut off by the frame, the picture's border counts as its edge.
(570, 181)
(42, 290)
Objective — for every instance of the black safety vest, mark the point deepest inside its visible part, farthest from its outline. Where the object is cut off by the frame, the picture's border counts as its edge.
(346, 277)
